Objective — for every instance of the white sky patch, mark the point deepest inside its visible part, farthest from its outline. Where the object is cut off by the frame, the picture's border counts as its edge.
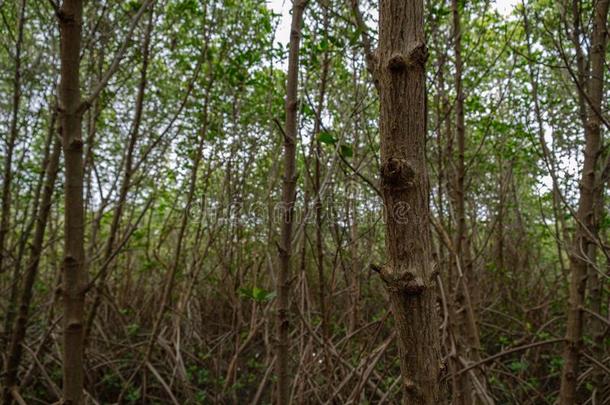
(282, 34)
(505, 7)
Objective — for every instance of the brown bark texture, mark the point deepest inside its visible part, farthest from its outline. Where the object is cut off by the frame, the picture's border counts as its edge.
(408, 274)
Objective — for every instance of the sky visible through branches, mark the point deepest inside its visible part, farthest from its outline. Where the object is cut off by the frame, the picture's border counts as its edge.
(283, 7)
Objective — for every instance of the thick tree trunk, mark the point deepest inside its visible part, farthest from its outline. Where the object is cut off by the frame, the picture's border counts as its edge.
(288, 199)
(585, 216)
(408, 274)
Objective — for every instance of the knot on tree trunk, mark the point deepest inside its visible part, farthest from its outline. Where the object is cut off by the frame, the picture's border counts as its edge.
(412, 388)
(76, 144)
(74, 326)
(416, 56)
(402, 279)
(397, 174)
(397, 62)
(70, 262)
(66, 17)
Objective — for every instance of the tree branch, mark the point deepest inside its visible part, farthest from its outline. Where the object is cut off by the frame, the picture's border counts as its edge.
(54, 5)
(369, 54)
(505, 353)
(86, 104)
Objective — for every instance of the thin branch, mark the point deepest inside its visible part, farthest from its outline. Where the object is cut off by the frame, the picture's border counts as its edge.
(596, 315)
(505, 353)
(363, 177)
(280, 128)
(597, 363)
(369, 53)
(54, 5)
(86, 104)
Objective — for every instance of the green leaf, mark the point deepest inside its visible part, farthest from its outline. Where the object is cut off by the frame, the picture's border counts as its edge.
(132, 6)
(324, 45)
(517, 366)
(326, 138)
(246, 293)
(133, 328)
(258, 294)
(346, 151)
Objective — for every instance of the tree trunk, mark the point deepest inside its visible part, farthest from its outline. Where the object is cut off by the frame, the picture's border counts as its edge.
(318, 198)
(585, 215)
(470, 342)
(408, 274)
(19, 330)
(74, 277)
(24, 238)
(10, 142)
(288, 199)
(597, 284)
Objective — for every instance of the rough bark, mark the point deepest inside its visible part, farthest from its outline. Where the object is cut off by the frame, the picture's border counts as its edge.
(288, 199)
(585, 214)
(408, 274)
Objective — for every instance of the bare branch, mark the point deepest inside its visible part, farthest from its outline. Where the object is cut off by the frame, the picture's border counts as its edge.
(87, 102)
(506, 353)
(369, 54)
